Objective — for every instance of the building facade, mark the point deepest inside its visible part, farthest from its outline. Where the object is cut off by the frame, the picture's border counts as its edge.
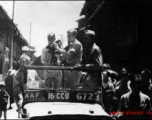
(6, 26)
(123, 31)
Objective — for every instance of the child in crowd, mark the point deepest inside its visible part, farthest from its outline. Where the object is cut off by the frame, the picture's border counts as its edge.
(4, 100)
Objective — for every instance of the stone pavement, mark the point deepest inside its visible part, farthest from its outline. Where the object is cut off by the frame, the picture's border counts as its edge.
(12, 114)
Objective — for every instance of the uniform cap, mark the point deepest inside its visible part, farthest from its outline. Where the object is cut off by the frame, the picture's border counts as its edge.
(24, 57)
(90, 32)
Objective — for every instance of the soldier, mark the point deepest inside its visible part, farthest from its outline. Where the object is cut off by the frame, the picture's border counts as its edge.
(93, 60)
(73, 56)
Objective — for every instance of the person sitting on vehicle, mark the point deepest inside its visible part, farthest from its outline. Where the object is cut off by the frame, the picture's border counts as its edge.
(48, 58)
(93, 60)
(73, 56)
(4, 100)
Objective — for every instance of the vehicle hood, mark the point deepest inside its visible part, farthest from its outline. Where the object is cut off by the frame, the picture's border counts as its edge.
(62, 108)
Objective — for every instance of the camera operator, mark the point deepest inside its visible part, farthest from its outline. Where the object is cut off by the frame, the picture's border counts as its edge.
(53, 59)
(49, 58)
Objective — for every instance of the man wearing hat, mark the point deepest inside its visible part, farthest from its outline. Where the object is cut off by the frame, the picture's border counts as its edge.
(92, 58)
(135, 104)
(19, 83)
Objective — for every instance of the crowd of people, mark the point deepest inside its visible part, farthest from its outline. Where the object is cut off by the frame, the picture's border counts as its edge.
(125, 95)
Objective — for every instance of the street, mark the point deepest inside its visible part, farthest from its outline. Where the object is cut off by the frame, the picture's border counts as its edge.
(12, 114)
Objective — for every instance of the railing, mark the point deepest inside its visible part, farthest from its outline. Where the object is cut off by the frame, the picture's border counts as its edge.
(50, 67)
(57, 67)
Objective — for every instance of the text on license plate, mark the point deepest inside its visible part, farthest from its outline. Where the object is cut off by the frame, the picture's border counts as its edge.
(59, 96)
(87, 96)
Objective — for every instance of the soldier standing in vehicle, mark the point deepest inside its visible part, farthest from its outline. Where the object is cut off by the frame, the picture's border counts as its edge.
(93, 60)
(73, 56)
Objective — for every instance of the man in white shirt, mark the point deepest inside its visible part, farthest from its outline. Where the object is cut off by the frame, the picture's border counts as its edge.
(46, 59)
(73, 56)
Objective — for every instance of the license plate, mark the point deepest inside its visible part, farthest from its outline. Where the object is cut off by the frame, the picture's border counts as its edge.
(89, 96)
(58, 96)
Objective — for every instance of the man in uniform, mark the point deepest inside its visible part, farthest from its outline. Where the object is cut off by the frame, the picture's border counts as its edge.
(93, 60)
(73, 56)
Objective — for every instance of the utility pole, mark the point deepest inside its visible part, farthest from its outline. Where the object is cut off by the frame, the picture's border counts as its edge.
(30, 36)
(11, 49)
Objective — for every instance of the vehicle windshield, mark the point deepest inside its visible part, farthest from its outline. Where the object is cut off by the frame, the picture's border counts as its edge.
(40, 87)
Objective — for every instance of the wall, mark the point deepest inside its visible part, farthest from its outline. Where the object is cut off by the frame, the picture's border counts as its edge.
(123, 31)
